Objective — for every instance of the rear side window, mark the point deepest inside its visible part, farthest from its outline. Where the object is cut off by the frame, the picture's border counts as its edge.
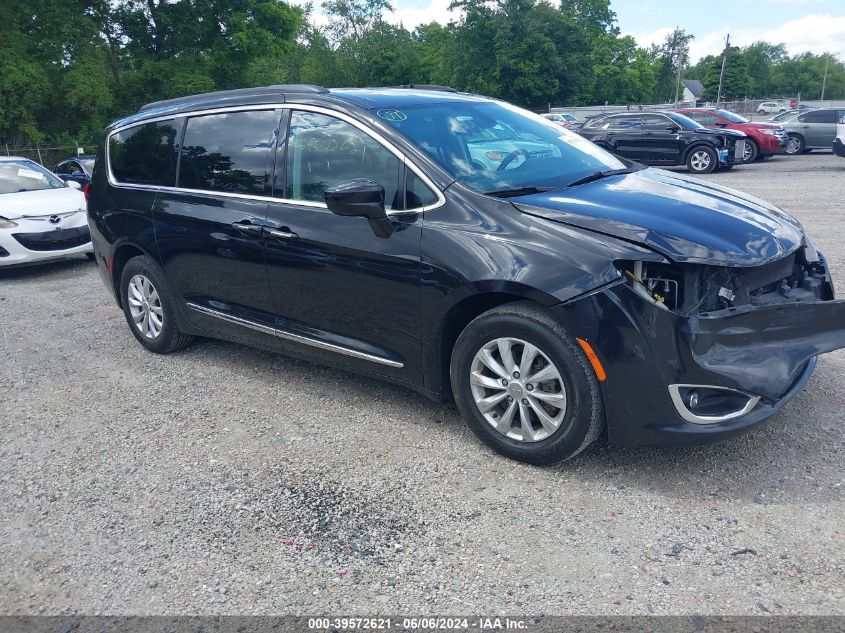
(324, 151)
(228, 152)
(819, 116)
(145, 154)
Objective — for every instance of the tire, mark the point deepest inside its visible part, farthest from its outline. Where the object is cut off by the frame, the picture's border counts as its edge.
(91, 256)
(752, 152)
(795, 145)
(702, 160)
(162, 335)
(579, 415)
(726, 167)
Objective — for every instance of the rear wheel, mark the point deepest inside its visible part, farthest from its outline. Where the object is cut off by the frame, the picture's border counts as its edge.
(524, 386)
(149, 306)
(795, 145)
(702, 160)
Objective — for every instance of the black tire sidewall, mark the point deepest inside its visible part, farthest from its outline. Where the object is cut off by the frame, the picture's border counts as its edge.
(714, 160)
(170, 334)
(755, 153)
(582, 392)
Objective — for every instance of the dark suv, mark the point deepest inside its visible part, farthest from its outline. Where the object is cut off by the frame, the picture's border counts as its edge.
(667, 139)
(549, 286)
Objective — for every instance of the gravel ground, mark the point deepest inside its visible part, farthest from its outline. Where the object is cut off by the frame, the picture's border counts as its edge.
(224, 480)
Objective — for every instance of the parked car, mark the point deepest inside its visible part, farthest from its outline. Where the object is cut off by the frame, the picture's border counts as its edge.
(785, 116)
(41, 216)
(77, 169)
(771, 107)
(574, 290)
(666, 138)
(489, 147)
(764, 139)
(814, 129)
(839, 141)
(561, 118)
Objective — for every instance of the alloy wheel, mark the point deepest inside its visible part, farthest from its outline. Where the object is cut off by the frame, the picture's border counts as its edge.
(700, 160)
(145, 306)
(793, 145)
(518, 389)
(747, 153)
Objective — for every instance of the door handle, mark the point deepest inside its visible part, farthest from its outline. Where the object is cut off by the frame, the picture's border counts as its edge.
(283, 233)
(247, 227)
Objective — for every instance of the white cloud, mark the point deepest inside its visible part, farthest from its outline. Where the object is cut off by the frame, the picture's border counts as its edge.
(815, 33)
(410, 18)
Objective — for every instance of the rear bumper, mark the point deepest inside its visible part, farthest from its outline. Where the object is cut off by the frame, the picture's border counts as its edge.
(766, 353)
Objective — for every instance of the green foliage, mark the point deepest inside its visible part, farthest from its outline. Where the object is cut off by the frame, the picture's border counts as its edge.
(68, 67)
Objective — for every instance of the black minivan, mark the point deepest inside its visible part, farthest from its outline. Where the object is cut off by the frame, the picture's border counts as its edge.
(465, 248)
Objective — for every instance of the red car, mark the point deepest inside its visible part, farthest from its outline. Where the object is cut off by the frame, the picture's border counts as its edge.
(765, 139)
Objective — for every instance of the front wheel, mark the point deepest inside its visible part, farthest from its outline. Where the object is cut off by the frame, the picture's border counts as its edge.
(795, 145)
(750, 152)
(150, 307)
(524, 386)
(702, 160)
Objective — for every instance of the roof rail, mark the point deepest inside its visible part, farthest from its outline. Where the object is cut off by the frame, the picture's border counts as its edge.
(240, 92)
(428, 87)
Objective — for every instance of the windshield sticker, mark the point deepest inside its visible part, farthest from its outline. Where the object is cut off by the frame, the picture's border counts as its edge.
(394, 116)
(28, 173)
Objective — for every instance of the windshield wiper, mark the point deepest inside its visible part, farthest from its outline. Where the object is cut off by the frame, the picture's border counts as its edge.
(517, 191)
(598, 175)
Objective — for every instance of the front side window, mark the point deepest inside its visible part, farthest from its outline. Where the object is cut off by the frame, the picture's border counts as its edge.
(705, 118)
(228, 152)
(491, 145)
(324, 151)
(145, 154)
(656, 122)
(417, 193)
(24, 175)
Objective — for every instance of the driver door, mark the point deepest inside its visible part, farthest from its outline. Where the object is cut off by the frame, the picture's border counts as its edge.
(351, 297)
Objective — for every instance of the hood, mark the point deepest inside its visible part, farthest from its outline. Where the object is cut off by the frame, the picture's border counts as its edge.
(684, 219)
(758, 126)
(40, 203)
(708, 131)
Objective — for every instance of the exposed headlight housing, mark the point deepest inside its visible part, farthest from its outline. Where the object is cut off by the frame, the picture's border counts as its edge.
(6, 224)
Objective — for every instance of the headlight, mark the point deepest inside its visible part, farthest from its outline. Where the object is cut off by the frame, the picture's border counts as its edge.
(6, 224)
(770, 132)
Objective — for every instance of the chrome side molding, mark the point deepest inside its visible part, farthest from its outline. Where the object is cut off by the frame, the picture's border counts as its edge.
(296, 338)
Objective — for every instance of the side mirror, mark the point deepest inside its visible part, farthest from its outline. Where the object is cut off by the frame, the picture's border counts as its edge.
(672, 128)
(363, 198)
(73, 184)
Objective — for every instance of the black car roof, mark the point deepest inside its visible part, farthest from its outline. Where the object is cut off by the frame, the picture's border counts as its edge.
(365, 98)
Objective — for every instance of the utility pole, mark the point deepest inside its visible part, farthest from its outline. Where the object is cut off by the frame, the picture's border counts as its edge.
(678, 79)
(722, 74)
(824, 80)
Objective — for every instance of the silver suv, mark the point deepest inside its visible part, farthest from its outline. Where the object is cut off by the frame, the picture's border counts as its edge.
(815, 129)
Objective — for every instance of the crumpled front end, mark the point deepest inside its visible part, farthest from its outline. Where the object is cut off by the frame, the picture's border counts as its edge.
(695, 353)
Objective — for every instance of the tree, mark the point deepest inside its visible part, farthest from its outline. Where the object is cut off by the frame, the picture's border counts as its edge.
(352, 18)
(736, 83)
(670, 58)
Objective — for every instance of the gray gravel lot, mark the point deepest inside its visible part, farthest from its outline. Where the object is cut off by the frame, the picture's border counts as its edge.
(223, 480)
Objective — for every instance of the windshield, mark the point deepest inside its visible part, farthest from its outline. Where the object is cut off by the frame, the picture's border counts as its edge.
(489, 146)
(684, 121)
(24, 175)
(730, 116)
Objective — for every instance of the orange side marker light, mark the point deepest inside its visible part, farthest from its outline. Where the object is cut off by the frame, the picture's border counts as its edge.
(594, 360)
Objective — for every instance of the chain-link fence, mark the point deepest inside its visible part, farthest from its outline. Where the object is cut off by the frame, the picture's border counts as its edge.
(49, 155)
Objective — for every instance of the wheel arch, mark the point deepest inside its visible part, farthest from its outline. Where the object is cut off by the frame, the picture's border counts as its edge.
(699, 143)
(462, 312)
(123, 254)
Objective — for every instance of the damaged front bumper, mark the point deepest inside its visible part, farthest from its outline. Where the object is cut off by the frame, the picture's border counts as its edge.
(676, 379)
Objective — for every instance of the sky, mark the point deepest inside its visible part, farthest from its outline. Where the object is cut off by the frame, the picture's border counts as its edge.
(803, 25)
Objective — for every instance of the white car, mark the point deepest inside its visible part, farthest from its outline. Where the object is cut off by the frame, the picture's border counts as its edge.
(770, 107)
(41, 216)
(562, 119)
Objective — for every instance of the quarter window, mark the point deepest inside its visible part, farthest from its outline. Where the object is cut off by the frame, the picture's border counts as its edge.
(324, 151)
(819, 116)
(145, 154)
(417, 193)
(228, 152)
